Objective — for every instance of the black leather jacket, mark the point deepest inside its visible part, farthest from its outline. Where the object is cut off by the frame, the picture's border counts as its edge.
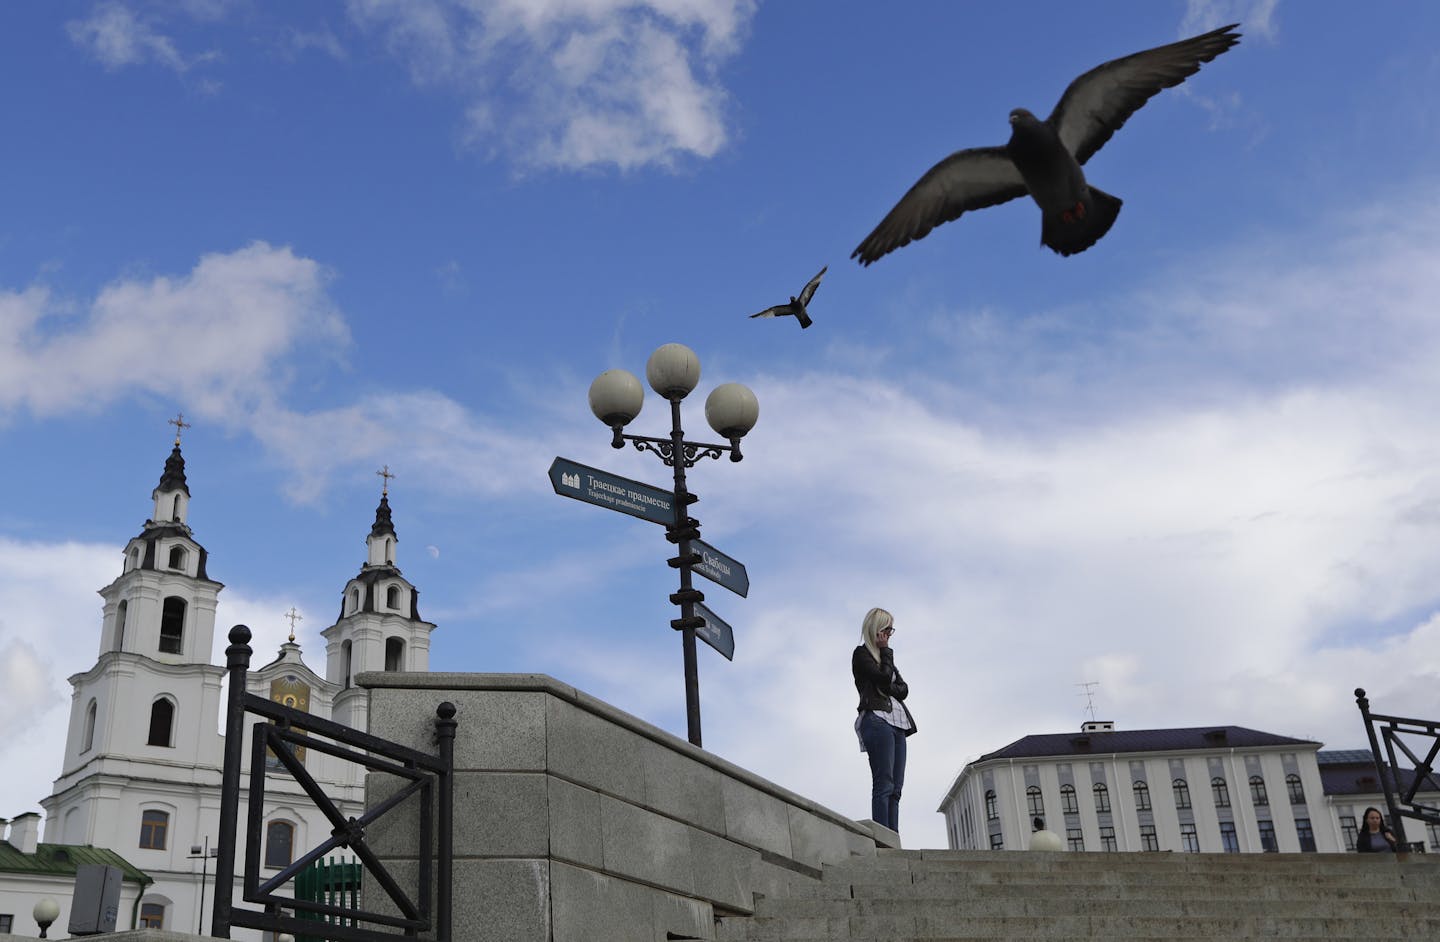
(877, 683)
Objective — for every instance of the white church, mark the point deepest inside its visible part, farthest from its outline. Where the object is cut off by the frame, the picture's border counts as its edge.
(139, 787)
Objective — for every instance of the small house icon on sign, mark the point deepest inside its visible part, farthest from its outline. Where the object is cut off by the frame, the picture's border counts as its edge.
(570, 480)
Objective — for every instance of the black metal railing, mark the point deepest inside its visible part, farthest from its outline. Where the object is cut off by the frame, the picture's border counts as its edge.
(279, 734)
(1402, 783)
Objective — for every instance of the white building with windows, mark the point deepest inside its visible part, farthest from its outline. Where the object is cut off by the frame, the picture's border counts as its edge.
(1352, 785)
(1204, 789)
(142, 765)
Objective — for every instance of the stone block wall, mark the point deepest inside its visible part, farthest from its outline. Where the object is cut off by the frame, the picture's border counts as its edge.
(576, 821)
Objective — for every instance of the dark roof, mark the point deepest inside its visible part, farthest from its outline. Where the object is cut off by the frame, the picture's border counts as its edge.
(1352, 772)
(382, 524)
(1207, 738)
(64, 859)
(174, 477)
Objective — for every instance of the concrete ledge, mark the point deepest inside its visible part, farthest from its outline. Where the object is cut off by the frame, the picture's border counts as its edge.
(577, 822)
(421, 726)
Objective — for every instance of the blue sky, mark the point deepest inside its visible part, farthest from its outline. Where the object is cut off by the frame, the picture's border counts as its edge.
(1194, 464)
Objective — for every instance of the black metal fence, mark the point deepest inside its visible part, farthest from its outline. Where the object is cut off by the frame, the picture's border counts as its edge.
(279, 734)
(1393, 738)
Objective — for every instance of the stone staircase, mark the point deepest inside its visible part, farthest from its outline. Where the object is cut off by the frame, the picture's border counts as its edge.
(988, 895)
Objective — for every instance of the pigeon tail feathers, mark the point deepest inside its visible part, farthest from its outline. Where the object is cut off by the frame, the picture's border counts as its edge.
(1074, 230)
(803, 318)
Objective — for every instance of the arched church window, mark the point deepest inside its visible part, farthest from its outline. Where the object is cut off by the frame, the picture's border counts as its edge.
(87, 739)
(392, 598)
(279, 844)
(177, 557)
(121, 611)
(162, 721)
(394, 654)
(153, 825)
(389, 551)
(354, 601)
(348, 654)
(172, 625)
(175, 508)
(152, 916)
(135, 558)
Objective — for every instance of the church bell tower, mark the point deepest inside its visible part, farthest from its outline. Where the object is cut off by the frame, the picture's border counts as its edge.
(379, 628)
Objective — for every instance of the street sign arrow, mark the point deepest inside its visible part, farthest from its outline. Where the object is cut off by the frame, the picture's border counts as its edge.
(572, 479)
(715, 632)
(717, 567)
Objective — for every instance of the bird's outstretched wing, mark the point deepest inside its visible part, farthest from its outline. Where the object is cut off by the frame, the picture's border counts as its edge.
(966, 180)
(1098, 103)
(808, 291)
(776, 311)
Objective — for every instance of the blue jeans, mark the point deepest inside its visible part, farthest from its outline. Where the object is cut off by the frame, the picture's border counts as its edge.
(885, 745)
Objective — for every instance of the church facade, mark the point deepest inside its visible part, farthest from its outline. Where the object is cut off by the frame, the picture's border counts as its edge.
(141, 772)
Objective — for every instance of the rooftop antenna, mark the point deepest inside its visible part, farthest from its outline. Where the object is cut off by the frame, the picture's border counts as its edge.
(1089, 696)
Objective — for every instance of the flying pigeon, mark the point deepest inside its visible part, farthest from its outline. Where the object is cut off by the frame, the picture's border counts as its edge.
(1043, 158)
(796, 305)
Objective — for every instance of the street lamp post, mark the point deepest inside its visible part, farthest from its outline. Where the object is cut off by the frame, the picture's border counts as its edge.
(45, 911)
(616, 398)
(203, 854)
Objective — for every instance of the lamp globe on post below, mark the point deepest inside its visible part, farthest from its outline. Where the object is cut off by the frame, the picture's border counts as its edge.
(46, 911)
(616, 397)
(732, 410)
(673, 371)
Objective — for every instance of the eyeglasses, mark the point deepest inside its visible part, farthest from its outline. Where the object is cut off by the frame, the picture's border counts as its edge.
(887, 631)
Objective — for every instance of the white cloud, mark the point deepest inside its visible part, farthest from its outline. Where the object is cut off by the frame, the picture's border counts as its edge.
(1256, 17)
(215, 338)
(50, 612)
(117, 37)
(575, 83)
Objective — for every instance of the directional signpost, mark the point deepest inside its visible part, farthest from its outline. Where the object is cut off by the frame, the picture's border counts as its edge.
(717, 567)
(715, 632)
(603, 489)
(582, 482)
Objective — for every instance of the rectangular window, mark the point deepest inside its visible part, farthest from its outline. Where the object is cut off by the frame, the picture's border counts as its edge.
(1228, 840)
(1076, 838)
(997, 842)
(279, 838)
(1142, 796)
(1306, 835)
(1347, 828)
(153, 825)
(1107, 838)
(1189, 840)
(1433, 830)
(1267, 837)
(152, 916)
(7, 922)
(1148, 839)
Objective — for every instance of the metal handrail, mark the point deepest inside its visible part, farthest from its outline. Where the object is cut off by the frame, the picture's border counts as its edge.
(285, 729)
(1387, 730)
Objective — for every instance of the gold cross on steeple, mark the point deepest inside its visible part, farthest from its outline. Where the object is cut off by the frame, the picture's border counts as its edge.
(294, 616)
(180, 425)
(385, 473)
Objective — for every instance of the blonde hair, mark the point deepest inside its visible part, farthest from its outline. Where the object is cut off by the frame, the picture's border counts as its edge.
(876, 621)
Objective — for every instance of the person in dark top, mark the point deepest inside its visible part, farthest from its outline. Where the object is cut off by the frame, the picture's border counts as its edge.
(1374, 836)
(884, 721)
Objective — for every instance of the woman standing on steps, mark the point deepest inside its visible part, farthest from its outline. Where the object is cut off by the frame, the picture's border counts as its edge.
(884, 721)
(1374, 836)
